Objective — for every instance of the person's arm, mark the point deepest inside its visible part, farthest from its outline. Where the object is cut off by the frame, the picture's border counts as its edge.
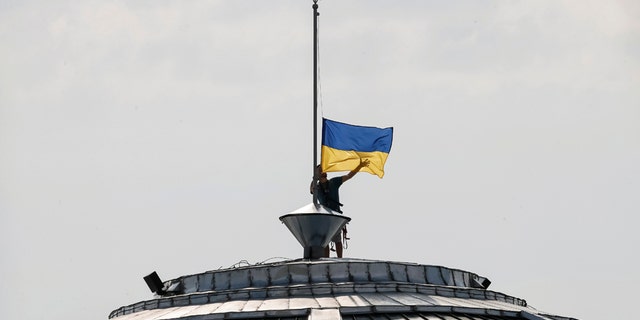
(363, 163)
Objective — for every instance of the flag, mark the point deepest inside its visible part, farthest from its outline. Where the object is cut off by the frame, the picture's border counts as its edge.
(344, 145)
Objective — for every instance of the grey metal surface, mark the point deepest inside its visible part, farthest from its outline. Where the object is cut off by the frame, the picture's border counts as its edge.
(326, 270)
(423, 316)
(351, 287)
(314, 229)
(350, 306)
(313, 226)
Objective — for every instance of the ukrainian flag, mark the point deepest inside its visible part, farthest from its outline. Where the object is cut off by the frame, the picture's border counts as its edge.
(344, 145)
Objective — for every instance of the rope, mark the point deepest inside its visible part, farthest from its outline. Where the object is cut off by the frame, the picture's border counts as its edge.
(273, 258)
(345, 243)
(245, 263)
(240, 263)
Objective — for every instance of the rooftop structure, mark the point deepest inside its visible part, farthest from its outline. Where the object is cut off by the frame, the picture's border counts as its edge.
(317, 288)
(331, 288)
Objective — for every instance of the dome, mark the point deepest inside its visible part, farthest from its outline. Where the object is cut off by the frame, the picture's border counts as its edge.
(331, 288)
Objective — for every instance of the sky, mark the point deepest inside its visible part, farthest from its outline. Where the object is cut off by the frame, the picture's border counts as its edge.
(169, 136)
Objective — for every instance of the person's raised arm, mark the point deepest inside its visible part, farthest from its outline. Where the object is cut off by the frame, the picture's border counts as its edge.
(363, 163)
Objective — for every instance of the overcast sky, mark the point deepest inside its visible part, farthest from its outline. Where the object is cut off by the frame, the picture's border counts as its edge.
(170, 135)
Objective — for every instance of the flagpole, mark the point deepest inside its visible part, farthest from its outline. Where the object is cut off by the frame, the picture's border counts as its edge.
(315, 94)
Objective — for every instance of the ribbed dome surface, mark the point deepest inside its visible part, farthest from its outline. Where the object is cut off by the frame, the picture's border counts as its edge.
(331, 289)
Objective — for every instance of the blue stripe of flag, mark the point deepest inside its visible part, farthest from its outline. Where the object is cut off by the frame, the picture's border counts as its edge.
(344, 136)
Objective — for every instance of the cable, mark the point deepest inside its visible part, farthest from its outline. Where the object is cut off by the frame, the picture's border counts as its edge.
(240, 263)
(272, 258)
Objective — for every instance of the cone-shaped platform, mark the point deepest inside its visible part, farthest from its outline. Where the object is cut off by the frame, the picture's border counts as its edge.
(314, 227)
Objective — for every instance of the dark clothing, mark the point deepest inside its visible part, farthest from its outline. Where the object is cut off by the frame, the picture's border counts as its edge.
(328, 195)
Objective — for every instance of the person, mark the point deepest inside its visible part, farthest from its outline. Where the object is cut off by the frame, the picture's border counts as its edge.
(328, 196)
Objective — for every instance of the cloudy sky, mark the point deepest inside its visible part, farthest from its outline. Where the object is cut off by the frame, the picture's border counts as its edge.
(170, 135)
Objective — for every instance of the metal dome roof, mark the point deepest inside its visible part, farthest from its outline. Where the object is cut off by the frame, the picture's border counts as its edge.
(331, 289)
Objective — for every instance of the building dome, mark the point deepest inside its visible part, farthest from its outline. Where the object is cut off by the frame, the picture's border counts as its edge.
(329, 288)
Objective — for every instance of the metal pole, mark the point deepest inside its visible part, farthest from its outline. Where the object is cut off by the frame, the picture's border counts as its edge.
(315, 95)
